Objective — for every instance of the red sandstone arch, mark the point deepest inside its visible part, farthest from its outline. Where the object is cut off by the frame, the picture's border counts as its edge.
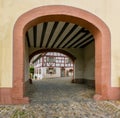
(74, 15)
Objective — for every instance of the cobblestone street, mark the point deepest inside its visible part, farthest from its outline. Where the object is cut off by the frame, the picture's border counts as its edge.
(59, 98)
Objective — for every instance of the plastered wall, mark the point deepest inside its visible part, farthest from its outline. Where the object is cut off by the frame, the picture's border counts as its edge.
(57, 74)
(78, 64)
(89, 61)
(10, 10)
(0, 64)
(6, 63)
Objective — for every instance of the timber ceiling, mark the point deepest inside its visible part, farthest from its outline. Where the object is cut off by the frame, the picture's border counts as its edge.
(58, 35)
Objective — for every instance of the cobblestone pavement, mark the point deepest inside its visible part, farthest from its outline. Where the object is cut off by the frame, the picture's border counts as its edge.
(55, 98)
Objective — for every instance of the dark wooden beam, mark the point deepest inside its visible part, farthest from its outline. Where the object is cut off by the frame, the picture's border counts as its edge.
(81, 30)
(91, 36)
(84, 45)
(60, 33)
(51, 34)
(28, 39)
(80, 38)
(35, 34)
(43, 33)
(67, 35)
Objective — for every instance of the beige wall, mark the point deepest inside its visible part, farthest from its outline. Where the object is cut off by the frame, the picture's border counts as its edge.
(5, 63)
(10, 10)
(113, 21)
(0, 63)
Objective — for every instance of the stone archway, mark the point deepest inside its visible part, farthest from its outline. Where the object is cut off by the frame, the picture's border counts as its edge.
(68, 54)
(74, 15)
(52, 50)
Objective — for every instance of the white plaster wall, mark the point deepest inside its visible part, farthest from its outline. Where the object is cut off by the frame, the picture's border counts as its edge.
(58, 73)
(78, 64)
(10, 10)
(89, 61)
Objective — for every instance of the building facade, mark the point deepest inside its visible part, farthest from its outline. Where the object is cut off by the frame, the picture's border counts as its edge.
(86, 32)
(52, 65)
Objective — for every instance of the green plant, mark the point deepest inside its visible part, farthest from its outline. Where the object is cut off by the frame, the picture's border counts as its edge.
(31, 70)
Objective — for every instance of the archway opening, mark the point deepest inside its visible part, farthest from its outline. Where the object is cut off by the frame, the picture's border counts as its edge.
(74, 18)
(51, 65)
(54, 74)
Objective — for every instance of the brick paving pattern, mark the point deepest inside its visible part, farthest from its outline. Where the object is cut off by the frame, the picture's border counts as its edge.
(59, 98)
